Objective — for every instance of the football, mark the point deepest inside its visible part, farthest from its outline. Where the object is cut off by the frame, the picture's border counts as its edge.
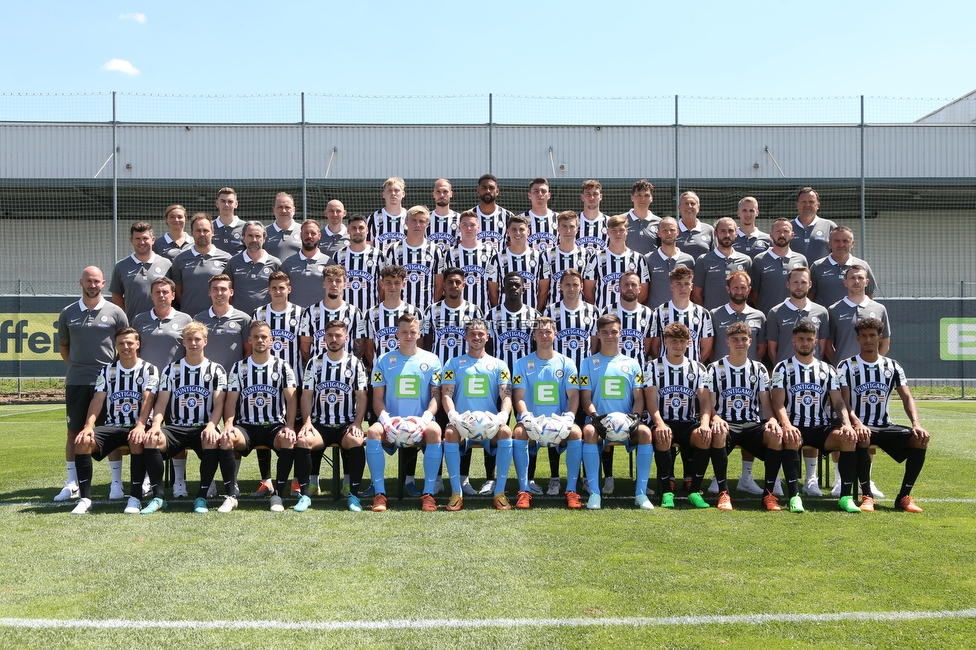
(552, 431)
(474, 426)
(407, 433)
(618, 427)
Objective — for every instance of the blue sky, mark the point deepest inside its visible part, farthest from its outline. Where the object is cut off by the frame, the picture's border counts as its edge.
(567, 49)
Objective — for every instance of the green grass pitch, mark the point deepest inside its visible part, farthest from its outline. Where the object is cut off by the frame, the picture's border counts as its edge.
(300, 572)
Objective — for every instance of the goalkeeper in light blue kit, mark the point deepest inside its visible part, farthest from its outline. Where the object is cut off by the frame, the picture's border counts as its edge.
(611, 384)
(476, 392)
(406, 392)
(546, 394)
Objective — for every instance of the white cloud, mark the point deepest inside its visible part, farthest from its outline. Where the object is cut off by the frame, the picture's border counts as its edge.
(139, 18)
(121, 65)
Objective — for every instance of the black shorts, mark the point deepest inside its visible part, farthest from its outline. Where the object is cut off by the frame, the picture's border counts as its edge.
(331, 435)
(258, 435)
(815, 436)
(892, 440)
(749, 436)
(77, 399)
(108, 439)
(681, 432)
(180, 438)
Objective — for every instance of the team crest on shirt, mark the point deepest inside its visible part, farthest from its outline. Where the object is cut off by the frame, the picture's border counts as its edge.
(490, 367)
(596, 362)
(139, 381)
(393, 358)
(237, 235)
(531, 366)
(424, 367)
(104, 319)
(559, 374)
(887, 374)
(176, 326)
(625, 368)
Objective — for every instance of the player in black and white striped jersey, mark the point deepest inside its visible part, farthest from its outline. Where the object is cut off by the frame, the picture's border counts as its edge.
(362, 263)
(738, 386)
(191, 403)
(332, 307)
(381, 320)
(867, 381)
(285, 320)
(541, 220)
(806, 398)
(421, 258)
(443, 227)
(510, 326)
(493, 219)
(476, 259)
(519, 258)
(126, 390)
(680, 309)
(442, 328)
(673, 393)
(260, 407)
(567, 255)
(386, 225)
(592, 233)
(333, 409)
(603, 269)
(636, 320)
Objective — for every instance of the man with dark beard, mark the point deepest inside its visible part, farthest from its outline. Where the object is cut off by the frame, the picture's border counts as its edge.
(304, 268)
(712, 268)
(492, 217)
(770, 268)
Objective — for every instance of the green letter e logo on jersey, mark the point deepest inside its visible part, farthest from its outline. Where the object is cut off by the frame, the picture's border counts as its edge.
(957, 339)
(614, 387)
(546, 392)
(408, 386)
(476, 386)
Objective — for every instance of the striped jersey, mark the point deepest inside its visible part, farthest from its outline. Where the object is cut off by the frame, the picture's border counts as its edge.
(574, 329)
(191, 391)
(362, 275)
(124, 389)
(443, 230)
(446, 326)
(592, 234)
(334, 384)
(677, 388)
(737, 389)
(556, 261)
(511, 332)
(542, 230)
(385, 229)
(476, 263)
(284, 334)
(317, 316)
(493, 226)
(381, 326)
(262, 390)
(635, 327)
(871, 385)
(696, 318)
(528, 265)
(605, 268)
(807, 390)
(422, 263)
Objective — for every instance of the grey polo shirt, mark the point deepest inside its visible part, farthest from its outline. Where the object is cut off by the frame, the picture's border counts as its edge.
(192, 271)
(228, 333)
(769, 273)
(695, 241)
(781, 319)
(161, 338)
(90, 334)
(283, 243)
(133, 280)
(168, 248)
(752, 244)
(330, 243)
(724, 316)
(827, 279)
(251, 280)
(229, 239)
(306, 277)
(813, 241)
(660, 266)
(844, 314)
(642, 233)
(711, 271)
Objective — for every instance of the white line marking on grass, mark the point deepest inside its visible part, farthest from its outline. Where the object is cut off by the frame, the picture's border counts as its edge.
(431, 624)
(10, 415)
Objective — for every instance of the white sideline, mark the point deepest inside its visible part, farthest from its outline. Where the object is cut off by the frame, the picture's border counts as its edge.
(431, 624)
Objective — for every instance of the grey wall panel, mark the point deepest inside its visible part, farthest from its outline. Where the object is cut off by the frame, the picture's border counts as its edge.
(926, 151)
(54, 151)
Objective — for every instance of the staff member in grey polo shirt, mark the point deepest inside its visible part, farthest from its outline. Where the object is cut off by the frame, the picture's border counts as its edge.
(161, 328)
(133, 276)
(304, 268)
(781, 318)
(712, 268)
(770, 268)
(193, 269)
(335, 237)
(227, 342)
(250, 269)
(662, 261)
(86, 340)
(283, 237)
